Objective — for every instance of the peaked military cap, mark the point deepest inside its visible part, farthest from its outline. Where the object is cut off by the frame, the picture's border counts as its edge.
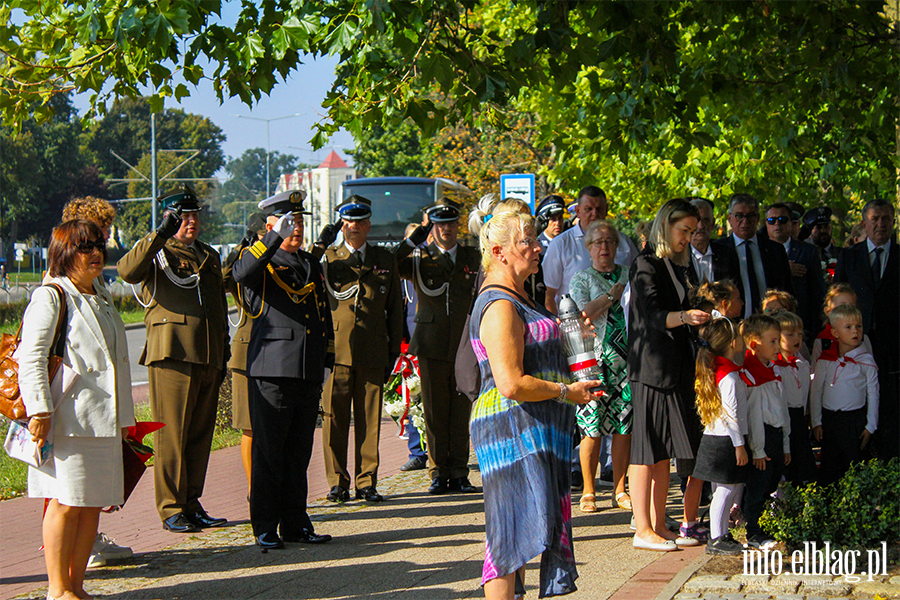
(571, 207)
(551, 205)
(444, 210)
(289, 202)
(796, 210)
(817, 216)
(181, 199)
(355, 208)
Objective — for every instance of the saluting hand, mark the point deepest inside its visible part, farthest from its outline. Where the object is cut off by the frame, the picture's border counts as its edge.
(170, 225)
(284, 226)
(329, 234)
(420, 233)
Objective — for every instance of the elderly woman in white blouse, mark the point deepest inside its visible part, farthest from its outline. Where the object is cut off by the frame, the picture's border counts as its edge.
(90, 420)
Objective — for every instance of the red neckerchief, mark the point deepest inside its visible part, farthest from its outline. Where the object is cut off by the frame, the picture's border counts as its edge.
(842, 362)
(829, 344)
(725, 367)
(758, 372)
(790, 361)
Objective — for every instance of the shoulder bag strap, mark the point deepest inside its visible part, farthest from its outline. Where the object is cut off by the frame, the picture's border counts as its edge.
(507, 290)
(59, 340)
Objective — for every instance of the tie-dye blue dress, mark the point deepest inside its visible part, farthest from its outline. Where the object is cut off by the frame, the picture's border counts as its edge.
(523, 451)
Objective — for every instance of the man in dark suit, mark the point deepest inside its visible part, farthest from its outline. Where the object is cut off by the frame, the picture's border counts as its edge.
(290, 354)
(709, 262)
(763, 264)
(806, 270)
(872, 268)
(444, 274)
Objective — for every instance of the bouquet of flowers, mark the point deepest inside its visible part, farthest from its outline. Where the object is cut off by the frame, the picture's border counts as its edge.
(403, 394)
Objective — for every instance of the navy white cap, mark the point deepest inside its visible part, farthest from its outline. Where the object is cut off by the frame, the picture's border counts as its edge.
(289, 202)
(181, 199)
(551, 205)
(444, 210)
(355, 208)
(817, 216)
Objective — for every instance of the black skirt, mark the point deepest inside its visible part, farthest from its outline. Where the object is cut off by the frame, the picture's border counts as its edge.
(665, 424)
(716, 461)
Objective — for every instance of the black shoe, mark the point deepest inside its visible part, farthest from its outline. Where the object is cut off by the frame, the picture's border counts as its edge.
(338, 494)
(416, 463)
(724, 546)
(202, 519)
(439, 485)
(577, 481)
(269, 541)
(179, 524)
(462, 485)
(307, 536)
(369, 494)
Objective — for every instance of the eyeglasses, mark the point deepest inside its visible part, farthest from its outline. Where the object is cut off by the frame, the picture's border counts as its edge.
(88, 247)
(528, 242)
(779, 220)
(745, 216)
(601, 241)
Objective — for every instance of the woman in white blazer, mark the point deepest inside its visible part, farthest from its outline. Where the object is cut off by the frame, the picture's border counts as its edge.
(88, 422)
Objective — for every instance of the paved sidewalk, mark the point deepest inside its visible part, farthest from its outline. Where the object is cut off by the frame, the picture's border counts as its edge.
(414, 546)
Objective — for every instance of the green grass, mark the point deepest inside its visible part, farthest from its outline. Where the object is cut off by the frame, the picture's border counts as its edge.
(14, 473)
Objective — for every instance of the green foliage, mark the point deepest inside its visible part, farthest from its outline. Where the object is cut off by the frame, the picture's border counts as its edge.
(395, 151)
(860, 510)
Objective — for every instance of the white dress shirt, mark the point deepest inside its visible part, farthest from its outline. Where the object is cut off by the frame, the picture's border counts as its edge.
(767, 407)
(361, 250)
(742, 246)
(703, 263)
(795, 380)
(567, 255)
(732, 421)
(884, 255)
(452, 251)
(842, 385)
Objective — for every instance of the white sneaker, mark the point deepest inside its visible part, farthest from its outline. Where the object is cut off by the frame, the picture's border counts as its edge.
(96, 560)
(107, 548)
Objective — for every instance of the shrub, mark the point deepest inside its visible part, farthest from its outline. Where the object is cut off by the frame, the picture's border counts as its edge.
(860, 510)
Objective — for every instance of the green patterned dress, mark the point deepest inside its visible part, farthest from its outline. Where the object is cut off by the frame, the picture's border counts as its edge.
(613, 412)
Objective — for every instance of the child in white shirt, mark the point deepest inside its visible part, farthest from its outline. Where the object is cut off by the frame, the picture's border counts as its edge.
(794, 371)
(844, 398)
(769, 422)
(722, 404)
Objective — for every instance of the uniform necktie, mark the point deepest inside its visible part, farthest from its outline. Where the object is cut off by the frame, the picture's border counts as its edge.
(359, 258)
(448, 260)
(751, 276)
(876, 266)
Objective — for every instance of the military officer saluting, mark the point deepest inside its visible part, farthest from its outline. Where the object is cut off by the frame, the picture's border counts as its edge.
(291, 352)
(187, 343)
(367, 309)
(444, 276)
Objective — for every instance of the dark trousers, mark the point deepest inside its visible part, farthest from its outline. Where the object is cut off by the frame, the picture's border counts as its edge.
(840, 442)
(446, 419)
(803, 463)
(184, 396)
(283, 416)
(761, 483)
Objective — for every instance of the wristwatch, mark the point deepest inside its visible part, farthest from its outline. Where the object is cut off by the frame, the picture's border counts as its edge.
(610, 296)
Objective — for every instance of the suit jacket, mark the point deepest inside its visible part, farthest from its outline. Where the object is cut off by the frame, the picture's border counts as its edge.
(724, 262)
(368, 326)
(103, 389)
(657, 356)
(775, 266)
(292, 333)
(881, 318)
(181, 324)
(439, 319)
(809, 290)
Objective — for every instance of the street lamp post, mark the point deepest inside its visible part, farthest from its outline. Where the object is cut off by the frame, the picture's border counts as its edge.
(268, 179)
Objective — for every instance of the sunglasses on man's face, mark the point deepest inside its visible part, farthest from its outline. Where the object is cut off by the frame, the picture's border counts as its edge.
(779, 220)
(88, 247)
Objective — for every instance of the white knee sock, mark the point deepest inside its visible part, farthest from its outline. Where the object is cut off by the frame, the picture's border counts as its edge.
(724, 495)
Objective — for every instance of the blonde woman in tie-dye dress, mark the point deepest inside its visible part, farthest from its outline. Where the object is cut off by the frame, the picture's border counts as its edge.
(522, 420)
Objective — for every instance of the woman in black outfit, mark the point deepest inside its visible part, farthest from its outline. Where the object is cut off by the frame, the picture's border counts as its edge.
(661, 370)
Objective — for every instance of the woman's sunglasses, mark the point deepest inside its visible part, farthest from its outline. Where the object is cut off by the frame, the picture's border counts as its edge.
(779, 220)
(88, 247)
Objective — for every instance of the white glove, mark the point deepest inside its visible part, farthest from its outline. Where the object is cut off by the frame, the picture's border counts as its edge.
(327, 374)
(284, 226)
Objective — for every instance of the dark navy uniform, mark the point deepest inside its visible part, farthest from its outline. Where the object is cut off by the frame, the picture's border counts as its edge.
(291, 345)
